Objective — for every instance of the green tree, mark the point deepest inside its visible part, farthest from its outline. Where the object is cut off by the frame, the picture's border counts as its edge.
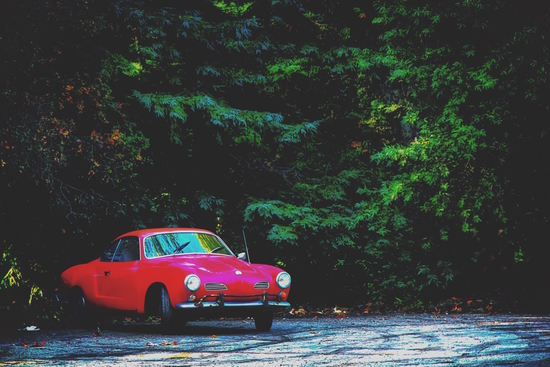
(68, 151)
(429, 92)
(390, 150)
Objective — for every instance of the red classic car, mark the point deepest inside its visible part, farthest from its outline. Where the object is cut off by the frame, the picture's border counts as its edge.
(178, 274)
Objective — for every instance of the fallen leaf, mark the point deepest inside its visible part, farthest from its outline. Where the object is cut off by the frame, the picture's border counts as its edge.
(299, 312)
(34, 345)
(180, 355)
(214, 336)
(166, 342)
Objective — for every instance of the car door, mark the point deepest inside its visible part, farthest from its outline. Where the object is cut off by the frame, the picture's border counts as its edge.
(116, 275)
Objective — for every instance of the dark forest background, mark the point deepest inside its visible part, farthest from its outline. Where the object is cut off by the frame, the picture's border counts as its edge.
(390, 152)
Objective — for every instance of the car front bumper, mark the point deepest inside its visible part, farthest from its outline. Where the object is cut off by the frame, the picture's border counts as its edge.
(261, 304)
(257, 304)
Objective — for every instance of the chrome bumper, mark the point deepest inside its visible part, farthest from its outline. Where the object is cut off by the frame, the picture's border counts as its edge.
(255, 304)
(220, 303)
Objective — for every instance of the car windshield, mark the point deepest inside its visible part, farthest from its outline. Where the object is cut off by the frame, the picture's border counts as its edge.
(183, 243)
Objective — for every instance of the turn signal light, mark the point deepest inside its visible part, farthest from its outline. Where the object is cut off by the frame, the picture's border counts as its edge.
(192, 298)
(282, 295)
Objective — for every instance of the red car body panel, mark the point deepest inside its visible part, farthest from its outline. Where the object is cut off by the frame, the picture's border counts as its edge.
(123, 285)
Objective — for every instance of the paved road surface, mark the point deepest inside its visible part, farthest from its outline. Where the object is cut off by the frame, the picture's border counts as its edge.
(390, 340)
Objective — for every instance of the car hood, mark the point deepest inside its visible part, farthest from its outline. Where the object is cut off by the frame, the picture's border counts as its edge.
(212, 268)
(219, 264)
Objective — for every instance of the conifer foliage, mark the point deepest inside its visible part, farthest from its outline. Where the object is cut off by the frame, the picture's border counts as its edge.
(392, 150)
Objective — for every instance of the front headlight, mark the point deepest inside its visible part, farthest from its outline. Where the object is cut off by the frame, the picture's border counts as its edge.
(283, 280)
(192, 282)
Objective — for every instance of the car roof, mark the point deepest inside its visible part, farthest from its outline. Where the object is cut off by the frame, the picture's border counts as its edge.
(150, 231)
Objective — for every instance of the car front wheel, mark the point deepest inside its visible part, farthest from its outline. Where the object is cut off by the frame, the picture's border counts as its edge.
(166, 312)
(263, 321)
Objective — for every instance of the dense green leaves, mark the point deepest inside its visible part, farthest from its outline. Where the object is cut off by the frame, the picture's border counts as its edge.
(394, 147)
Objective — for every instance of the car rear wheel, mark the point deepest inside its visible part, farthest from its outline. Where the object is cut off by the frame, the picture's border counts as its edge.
(263, 321)
(78, 309)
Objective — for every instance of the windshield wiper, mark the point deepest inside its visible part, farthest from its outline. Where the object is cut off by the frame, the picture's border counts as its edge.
(181, 247)
(216, 249)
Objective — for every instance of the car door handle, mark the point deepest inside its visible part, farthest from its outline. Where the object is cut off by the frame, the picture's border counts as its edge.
(107, 272)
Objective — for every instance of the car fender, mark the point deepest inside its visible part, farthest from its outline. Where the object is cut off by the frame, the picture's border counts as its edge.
(80, 276)
(272, 272)
(170, 275)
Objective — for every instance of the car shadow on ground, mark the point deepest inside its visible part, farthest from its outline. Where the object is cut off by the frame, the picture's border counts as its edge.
(193, 328)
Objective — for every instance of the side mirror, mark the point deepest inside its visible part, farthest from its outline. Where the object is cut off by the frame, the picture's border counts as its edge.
(242, 256)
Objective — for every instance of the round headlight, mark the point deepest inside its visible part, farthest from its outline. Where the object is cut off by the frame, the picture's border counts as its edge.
(192, 282)
(283, 280)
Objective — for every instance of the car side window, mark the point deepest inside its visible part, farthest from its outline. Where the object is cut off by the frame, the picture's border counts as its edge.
(107, 255)
(128, 249)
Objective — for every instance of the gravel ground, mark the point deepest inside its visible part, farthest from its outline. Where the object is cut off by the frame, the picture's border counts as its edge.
(373, 340)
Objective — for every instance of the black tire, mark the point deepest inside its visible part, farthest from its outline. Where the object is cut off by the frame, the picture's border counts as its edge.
(263, 321)
(78, 309)
(166, 312)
